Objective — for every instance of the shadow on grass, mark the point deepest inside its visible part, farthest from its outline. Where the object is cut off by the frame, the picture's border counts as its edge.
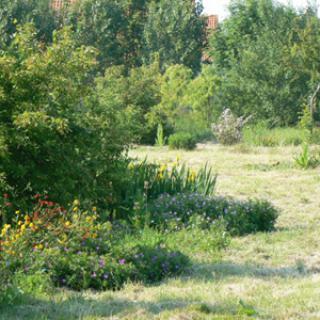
(227, 269)
(78, 306)
(71, 306)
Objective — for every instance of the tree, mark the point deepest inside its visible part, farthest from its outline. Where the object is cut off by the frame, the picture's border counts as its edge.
(173, 105)
(101, 24)
(18, 12)
(176, 31)
(202, 95)
(134, 94)
(253, 54)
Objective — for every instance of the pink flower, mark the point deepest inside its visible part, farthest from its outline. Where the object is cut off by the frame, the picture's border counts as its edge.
(122, 261)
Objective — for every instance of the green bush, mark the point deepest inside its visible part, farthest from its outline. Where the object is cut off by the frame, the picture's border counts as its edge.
(56, 135)
(182, 140)
(190, 123)
(240, 217)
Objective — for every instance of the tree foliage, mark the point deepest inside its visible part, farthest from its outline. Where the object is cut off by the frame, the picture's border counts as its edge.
(176, 31)
(18, 12)
(258, 53)
(57, 135)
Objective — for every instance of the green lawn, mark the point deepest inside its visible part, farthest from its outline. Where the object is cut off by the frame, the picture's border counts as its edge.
(262, 276)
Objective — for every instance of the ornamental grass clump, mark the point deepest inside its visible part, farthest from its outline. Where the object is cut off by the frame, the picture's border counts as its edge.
(143, 182)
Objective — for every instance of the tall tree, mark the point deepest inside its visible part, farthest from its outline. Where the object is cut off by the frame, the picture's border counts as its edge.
(252, 51)
(176, 31)
(13, 13)
(101, 24)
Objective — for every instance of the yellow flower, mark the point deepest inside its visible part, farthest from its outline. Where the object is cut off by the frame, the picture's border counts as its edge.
(31, 225)
(18, 212)
(27, 219)
(94, 209)
(20, 223)
(94, 236)
(163, 168)
(23, 228)
(75, 209)
(40, 246)
(68, 224)
(4, 230)
(76, 202)
(193, 176)
(88, 219)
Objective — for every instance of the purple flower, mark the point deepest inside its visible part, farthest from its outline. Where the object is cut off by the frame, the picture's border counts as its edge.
(102, 263)
(106, 276)
(122, 261)
(94, 275)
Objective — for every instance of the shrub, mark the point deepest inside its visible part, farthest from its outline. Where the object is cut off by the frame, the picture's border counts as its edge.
(240, 217)
(56, 135)
(182, 140)
(190, 123)
(228, 130)
(79, 252)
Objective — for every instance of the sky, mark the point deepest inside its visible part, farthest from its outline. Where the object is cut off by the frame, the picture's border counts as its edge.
(219, 7)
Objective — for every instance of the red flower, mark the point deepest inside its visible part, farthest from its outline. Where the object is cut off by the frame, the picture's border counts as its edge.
(37, 196)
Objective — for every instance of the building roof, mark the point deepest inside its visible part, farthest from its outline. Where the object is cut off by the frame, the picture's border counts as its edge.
(58, 4)
(213, 21)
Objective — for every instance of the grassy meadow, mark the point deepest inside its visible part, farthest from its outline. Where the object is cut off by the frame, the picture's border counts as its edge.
(261, 276)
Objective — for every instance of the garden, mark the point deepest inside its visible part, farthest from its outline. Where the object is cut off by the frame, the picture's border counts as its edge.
(138, 181)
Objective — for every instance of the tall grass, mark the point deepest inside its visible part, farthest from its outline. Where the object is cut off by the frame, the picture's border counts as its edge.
(262, 136)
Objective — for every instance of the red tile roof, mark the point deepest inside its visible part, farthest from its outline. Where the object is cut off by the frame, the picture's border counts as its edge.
(213, 22)
(58, 4)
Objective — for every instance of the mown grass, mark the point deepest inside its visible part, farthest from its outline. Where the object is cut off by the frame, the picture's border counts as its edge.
(262, 276)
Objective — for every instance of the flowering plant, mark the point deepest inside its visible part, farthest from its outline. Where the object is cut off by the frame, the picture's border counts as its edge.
(188, 210)
(228, 130)
(77, 250)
